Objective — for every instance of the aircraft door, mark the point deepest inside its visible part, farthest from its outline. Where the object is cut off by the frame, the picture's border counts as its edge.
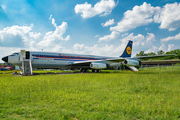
(27, 55)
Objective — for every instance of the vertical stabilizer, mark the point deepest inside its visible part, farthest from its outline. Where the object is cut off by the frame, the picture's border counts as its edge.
(128, 50)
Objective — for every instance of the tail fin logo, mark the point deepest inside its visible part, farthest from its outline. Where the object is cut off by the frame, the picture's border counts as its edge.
(128, 50)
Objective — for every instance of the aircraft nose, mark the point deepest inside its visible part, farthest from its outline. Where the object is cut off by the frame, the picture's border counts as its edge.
(5, 59)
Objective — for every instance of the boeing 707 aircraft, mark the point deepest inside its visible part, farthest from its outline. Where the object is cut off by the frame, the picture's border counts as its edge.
(71, 61)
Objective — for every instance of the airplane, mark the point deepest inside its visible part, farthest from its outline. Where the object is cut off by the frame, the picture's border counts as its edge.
(43, 59)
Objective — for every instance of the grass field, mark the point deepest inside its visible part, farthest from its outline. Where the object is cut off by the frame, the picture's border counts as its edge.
(151, 93)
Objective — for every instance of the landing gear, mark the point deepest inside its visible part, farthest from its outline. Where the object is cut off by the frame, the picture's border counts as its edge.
(96, 71)
(83, 70)
(93, 70)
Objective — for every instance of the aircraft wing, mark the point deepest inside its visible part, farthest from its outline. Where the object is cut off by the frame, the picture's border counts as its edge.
(116, 60)
(156, 56)
(80, 63)
(87, 63)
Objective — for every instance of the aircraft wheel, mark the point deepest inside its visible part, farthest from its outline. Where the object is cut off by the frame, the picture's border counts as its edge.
(82, 70)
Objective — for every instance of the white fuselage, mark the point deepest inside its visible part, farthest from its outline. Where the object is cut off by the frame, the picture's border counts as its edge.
(57, 60)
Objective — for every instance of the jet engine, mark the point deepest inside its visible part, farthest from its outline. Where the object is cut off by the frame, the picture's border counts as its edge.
(130, 62)
(98, 65)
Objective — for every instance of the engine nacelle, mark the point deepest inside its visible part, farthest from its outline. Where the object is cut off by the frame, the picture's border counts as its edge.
(98, 65)
(130, 62)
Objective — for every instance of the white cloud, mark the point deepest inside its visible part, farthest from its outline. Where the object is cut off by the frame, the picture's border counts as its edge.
(162, 47)
(150, 38)
(169, 17)
(16, 30)
(3, 7)
(138, 40)
(103, 7)
(110, 37)
(176, 37)
(14, 36)
(125, 34)
(50, 17)
(96, 36)
(170, 47)
(138, 16)
(107, 23)
(34, 35)
(54, 36)
(78, 46)
(107, 50)
(153, 49)
(23, 37)
(53, 22)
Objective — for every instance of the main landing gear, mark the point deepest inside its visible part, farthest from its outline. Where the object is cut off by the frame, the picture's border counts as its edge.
(96, 70)
(83, 70)
(93, 70)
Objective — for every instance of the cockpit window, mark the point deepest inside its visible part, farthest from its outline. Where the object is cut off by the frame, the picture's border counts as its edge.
(14, 54)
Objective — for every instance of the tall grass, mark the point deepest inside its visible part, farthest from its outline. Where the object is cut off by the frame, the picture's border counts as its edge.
(147, 94)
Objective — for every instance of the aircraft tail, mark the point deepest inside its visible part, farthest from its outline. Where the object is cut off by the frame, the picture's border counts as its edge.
(128, 50)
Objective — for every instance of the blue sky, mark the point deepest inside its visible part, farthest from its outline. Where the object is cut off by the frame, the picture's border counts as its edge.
(99, 27)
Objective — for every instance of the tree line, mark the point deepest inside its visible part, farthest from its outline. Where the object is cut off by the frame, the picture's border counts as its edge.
(161, 52)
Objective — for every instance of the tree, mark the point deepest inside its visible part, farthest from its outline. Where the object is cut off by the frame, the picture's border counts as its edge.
(141, 53)
(151, 54)
(176, 52)
(161, 52)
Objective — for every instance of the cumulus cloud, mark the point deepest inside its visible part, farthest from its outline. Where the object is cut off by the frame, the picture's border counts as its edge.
(150, 38)
(23, 37)
(170, 47)
(169, 17)
(107, 23)
(153, 49)
(78, 46)
(110, 37)
(162, 47)
(56, 35)
(138, 39)
(138, 16)
(14, 36)
(34, 35)
(176, 37)
(103, 7)
(125, 34)
(107, 50)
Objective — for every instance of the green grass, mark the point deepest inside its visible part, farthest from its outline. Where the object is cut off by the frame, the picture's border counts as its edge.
(147, 94)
